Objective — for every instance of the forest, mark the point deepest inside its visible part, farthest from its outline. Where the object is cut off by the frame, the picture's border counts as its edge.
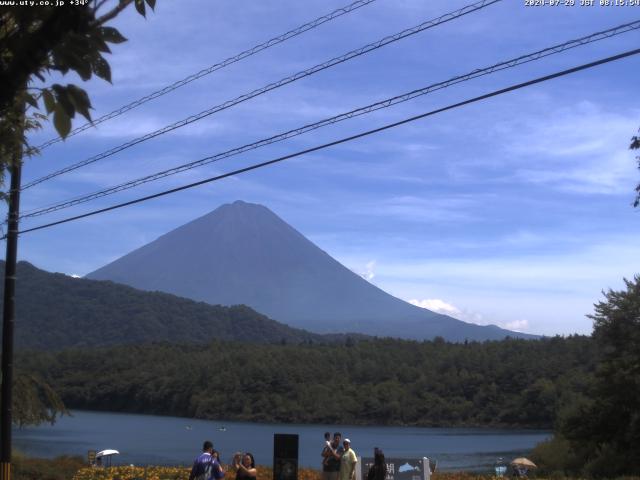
(585, 388)
(379, 381)
(57, 311)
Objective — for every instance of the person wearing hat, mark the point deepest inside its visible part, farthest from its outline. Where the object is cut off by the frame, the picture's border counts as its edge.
(348, 462)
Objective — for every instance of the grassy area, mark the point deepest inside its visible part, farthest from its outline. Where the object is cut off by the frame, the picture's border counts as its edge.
(61, 468)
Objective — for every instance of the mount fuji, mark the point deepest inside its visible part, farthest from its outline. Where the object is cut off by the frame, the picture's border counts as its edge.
(243, 253)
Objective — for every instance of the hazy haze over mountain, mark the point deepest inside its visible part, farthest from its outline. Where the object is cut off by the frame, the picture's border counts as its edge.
(243, 253)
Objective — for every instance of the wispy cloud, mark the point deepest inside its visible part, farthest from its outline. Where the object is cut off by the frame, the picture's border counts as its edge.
(582, 148)
(452, 208)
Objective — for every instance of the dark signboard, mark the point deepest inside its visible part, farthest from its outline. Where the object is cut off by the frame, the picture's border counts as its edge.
(399, 468)
(285, 456)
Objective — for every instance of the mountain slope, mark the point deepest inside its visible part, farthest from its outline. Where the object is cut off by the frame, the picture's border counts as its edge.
(55, 311)
(243, 253)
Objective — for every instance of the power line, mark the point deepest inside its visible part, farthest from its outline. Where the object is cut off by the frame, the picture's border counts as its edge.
(338, 118)
(218, 66)
(272, 86)
(342, 140)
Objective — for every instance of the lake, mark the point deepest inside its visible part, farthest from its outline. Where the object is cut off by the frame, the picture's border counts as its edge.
(149, 439)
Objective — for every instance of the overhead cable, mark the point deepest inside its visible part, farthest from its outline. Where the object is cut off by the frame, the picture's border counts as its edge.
(340, 141)
(272, 86)
(218, 66)
(338, 118)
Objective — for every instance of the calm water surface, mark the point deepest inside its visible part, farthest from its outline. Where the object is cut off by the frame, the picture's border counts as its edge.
(148, 439)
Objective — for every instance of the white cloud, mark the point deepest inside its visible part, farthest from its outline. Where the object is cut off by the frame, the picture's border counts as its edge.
(436, 305)
(368, 271)
(440, 306)
(517, 325)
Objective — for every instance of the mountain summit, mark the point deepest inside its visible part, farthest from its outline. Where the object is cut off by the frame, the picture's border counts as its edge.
(243, 253)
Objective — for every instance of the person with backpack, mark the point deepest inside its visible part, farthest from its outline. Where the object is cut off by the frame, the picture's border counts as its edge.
(206, 466)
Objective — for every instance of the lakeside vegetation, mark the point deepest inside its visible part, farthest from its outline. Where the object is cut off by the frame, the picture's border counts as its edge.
(587, 388)
(382, 381)
(59, 468)
(598, 435)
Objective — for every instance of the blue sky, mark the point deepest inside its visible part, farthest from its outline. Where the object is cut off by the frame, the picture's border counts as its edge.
(514, 211)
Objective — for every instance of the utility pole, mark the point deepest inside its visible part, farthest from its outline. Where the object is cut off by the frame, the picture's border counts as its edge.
(9, 310)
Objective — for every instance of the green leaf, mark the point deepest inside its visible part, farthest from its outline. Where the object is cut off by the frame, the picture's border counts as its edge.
(80, 100)
(140, 7)
(61, 121)
(111, 35)
(49, 101)
(152, 4)
(99, 44)
(83, 68)
(102, 69)
(60, 60)
(63, 100)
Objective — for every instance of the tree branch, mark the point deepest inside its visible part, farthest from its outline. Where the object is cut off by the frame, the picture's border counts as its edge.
(113, 13)
(98, 5)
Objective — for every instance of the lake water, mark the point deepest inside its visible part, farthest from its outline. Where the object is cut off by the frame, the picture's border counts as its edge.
(148, 439)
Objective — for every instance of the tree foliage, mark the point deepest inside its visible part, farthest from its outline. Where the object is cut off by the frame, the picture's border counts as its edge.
(36, 41)
(601, 431)
(380, 381)
(34, 401)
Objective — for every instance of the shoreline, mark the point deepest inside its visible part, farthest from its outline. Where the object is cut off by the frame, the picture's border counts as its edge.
(487, 427)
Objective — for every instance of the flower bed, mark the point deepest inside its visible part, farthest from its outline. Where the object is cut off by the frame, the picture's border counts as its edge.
(182, 473)
(171, 473)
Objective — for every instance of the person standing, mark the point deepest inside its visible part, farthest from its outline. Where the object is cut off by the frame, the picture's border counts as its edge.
(378, 470)
(246, 468)
(327, 447)
(348, 462)
(205, 466)
(331, 455)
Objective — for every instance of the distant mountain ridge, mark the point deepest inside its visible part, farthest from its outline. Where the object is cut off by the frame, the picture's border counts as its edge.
(243, 253)
(55, 311)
